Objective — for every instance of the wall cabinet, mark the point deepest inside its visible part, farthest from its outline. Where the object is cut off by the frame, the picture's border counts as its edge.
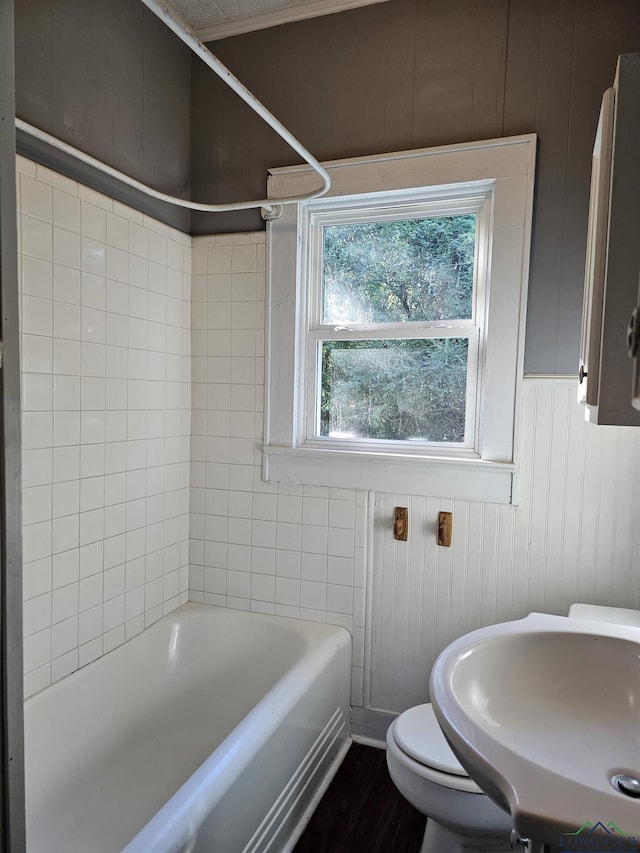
(613, 253)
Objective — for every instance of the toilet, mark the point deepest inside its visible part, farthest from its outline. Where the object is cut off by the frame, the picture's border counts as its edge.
(461, 817)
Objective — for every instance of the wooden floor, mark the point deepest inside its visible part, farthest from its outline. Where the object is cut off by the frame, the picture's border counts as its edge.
(362, 811)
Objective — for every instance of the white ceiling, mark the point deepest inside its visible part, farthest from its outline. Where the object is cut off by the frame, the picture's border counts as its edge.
(215, 19)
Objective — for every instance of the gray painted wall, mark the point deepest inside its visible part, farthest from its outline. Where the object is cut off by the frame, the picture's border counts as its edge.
(109, 78)
(106, 76)
(412, 73)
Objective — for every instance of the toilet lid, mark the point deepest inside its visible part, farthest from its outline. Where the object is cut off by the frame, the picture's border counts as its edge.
(418, 734)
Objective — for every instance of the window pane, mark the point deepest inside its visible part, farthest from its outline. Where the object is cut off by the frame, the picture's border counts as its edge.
(398, 390)
(389, 272)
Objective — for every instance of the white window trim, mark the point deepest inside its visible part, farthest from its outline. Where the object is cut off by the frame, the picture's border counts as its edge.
(376, 208)
(510, 165)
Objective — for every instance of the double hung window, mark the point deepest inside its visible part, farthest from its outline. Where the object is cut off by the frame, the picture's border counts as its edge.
(395, 322)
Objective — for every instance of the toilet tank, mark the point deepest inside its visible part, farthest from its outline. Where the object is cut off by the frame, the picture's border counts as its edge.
(599, 613)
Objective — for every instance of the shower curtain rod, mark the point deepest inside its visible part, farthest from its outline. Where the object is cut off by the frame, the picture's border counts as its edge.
(186, 34)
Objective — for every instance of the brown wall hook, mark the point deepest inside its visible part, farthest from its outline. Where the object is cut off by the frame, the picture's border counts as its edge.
(401, 523)
(445, 528)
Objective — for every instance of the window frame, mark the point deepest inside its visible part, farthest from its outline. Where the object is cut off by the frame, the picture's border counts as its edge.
(393, 207)
(488, 473)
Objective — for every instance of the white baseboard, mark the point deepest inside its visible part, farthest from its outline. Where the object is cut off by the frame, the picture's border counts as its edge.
(370, 725)
(369, 741)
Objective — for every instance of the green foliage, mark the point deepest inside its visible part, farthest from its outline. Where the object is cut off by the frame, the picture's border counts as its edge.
(406, 270)
(394, 390)
(395, 272)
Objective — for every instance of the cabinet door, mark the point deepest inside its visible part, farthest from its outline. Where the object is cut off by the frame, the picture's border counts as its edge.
(613, 254)
(589, 376)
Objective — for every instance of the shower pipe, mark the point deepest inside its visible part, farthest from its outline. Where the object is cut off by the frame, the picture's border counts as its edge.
(270, 207)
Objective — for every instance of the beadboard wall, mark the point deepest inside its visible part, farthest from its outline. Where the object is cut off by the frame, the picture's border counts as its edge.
(285, 550)
(574, 536)
(105, 350)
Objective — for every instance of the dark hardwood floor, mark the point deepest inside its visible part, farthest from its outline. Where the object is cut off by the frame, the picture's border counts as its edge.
(362, 811)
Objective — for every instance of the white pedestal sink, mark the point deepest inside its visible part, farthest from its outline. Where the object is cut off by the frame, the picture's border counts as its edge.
(543, 712)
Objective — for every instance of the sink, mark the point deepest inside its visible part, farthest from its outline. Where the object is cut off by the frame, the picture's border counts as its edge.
(542, 713)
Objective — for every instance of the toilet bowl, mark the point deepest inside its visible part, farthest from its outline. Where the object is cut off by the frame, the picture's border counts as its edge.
(461, 817)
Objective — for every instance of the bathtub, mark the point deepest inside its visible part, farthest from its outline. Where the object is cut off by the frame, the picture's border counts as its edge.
(212, 732)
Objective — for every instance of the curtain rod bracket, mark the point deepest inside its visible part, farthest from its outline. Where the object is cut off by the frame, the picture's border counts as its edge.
(272, 212)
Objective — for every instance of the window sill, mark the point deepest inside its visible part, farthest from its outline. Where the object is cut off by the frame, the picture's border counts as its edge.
(464, 479)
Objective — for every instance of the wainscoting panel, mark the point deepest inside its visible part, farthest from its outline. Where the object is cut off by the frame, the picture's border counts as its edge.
(574, 536)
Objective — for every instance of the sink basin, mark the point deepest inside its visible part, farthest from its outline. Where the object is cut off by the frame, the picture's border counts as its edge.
(542, 713)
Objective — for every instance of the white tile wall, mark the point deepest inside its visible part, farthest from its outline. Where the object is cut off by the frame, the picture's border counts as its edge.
(106, 400)
(291, 551)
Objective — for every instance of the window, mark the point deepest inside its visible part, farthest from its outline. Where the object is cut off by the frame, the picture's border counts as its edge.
(395, 322)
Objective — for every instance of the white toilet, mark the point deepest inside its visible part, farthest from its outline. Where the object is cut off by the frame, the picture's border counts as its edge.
(461, 818)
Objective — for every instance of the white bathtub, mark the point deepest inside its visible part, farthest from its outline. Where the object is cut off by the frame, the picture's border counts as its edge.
(212, 731)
